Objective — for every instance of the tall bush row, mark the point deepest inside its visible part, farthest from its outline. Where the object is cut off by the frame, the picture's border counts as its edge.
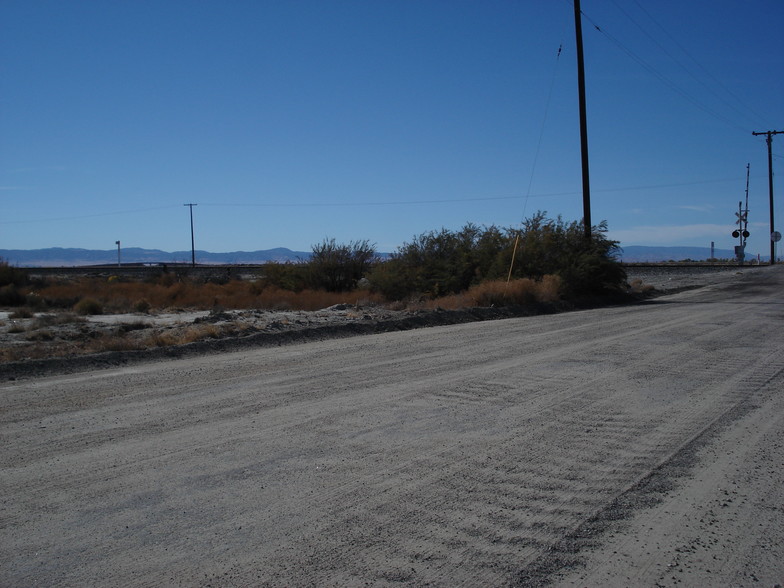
(444, 262)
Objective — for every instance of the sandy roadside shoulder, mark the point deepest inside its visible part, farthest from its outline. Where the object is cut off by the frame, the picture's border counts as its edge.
(48, 343)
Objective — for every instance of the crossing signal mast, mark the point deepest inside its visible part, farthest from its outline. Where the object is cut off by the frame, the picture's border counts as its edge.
(742, 232)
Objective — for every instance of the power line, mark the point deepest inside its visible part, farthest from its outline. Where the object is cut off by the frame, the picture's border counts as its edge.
(379, 203)
(664, 79)
(702, 67)
(541, 130)
(459, 200)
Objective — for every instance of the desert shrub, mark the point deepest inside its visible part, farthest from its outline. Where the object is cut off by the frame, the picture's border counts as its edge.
(441, 262)
(10, 295)
(274, 298)
(163, 339)
(34, 300)
(142, 296)
(448, 302)
(134, 326)
(549, 289)
(434, 264)
(395, 279)
(21, 313)
(40, 335)
(116, 304)
(287, 276)
(591, 273)
(88, 306)
(519, 292)
(444, 262)
(338, 267)
(61, 294)
(637, 286)
(553, 246)
(109, 342)
(167, 279)
(142, 306)
(10, 275)
(180, 337)
(500, 293)
(199, 332)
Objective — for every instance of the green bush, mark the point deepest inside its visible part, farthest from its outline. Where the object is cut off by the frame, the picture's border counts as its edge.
(11, 296)
(21, 313)
(339, 267)
(34, 300)
(586, 268)
(88, 306)
(443, 262)
(286, 276)
(142, 306)
(11, 276)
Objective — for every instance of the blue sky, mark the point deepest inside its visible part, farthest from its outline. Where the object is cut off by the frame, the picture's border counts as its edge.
(288, 122)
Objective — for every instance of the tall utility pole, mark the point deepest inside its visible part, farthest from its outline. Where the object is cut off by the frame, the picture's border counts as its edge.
(583, 120)
(118, 253)
(769, 141)
(193, 243)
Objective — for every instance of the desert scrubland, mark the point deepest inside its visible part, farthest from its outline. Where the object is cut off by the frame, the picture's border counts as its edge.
(630, 445)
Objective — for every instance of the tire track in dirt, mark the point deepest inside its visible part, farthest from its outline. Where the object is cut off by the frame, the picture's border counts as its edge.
(547, 485)
(569, 552)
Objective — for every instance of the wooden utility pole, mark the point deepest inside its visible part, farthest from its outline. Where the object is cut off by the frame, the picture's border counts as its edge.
(769, 141)
(583, 120)
(193, 243)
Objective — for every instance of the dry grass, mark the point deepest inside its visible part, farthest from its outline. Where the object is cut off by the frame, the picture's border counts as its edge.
(37, 350)
(16, 328)
(193, 333)
(638, 287)
(60, 334)
(111, 342)
(88, 306)
(93, 295)
(114, 296)
(42, 340)
(500, 293)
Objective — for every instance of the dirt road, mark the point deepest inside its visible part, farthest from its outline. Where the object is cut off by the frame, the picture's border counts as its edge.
(640, 446)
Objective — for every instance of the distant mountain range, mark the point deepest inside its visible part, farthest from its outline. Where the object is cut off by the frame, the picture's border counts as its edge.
(60, 257)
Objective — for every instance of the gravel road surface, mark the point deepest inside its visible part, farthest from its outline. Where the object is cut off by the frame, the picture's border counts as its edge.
(632, 446)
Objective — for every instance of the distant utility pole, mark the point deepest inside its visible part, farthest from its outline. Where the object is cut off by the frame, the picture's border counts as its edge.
(583, 120)
(193, 243)
(118, 253)
(769, 141)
